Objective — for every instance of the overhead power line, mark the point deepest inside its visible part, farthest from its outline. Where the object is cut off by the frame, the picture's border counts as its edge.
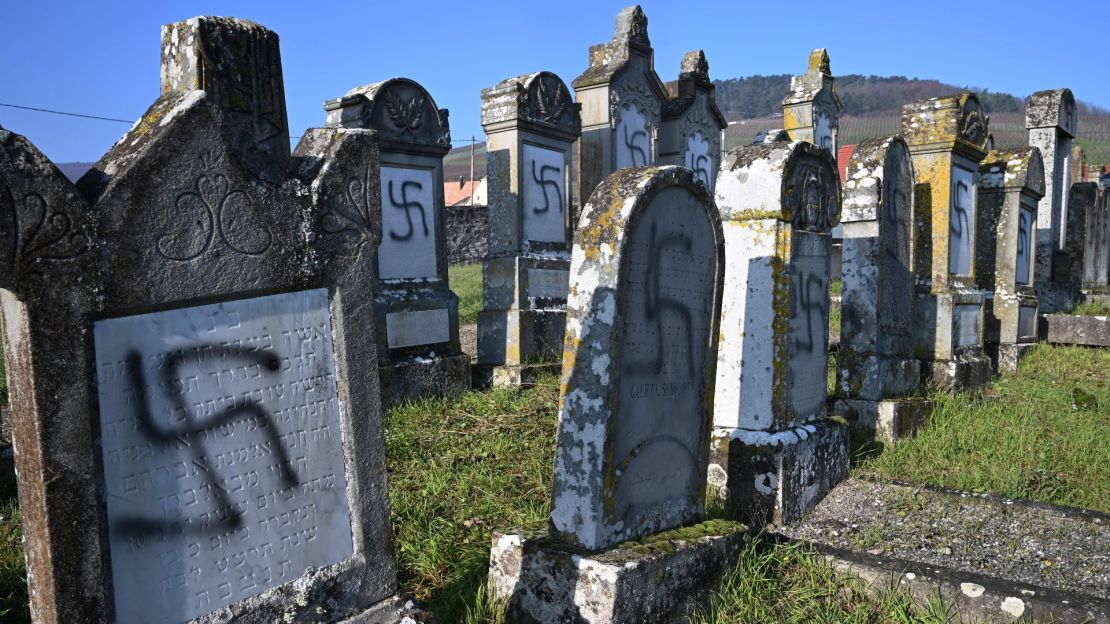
(55, 112)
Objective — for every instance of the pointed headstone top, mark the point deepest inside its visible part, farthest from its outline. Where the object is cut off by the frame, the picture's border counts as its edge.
(632, 26)
(694, 62)
(819, 61)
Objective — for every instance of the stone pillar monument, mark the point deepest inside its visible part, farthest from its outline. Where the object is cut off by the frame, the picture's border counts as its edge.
(773, 451)
(622, 101)
(418, 347)
(1011, 183)
(692, 123)
(947, 137)
(1051, 120)
(811, 111)
(877, 373)
(531, 124)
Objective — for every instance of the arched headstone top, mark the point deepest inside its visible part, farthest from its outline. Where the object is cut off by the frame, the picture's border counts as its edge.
(400, 109)
(866, 179)
(947, 122)
(1021, 168)
(793, 182)
(1052, 108)
(539, 98)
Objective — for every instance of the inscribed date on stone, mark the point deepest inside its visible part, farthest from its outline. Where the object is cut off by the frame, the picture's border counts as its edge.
(224, 471)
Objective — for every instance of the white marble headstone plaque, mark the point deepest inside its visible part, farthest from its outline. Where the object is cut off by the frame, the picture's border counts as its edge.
(408, 247)
(224, 471)
(962, 221)
(699, 160)
(544, 195)
(823, 133)
(966, 325)
(633, 138)
(408, 329)
(548, 283)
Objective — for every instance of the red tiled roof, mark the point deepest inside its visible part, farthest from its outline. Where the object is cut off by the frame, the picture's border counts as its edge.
(453, 192)
(843, 155)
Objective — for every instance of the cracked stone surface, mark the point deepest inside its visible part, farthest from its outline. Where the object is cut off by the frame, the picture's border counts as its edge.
(1059, 548)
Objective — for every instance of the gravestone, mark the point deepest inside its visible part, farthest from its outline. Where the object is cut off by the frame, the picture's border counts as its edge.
(418, 347)
(811, 110)
(1083, 201)
(231, 462)
(877, 373)
(1012, 181)
(692, 124)
(531, 123)
(774, 453)
(645, 292)
(1051, 121)
(1096, 247)
(947, 137)
(622, 99)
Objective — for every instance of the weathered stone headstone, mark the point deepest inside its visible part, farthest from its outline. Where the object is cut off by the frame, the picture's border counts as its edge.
(947, 137)
(622, 99)
(877, 371)
(231, 463)
(773, 451)
(640, 351)
(418, 347)
(1011, 183)
(531, 123)
(811, 111)
(1051, 121)
(692, 123)
(1083, 199)
(1096, 248)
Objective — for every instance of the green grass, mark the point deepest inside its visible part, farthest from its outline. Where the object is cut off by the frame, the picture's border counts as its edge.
(1042, 434)
(1092, 308)
(13, 580)
(466, 282)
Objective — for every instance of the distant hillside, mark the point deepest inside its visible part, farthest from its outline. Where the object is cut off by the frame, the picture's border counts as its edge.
(74, 170)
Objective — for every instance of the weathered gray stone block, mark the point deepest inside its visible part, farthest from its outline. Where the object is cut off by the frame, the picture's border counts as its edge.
(1052, 123)
(661, 579)
(1081, 330)
(888, 420)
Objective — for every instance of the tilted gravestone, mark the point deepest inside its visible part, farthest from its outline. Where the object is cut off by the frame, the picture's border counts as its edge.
(773, 452)
(531, 123)
(1011, 183)
(811, 111)
(418, 347)
(635, 410)
(1051, 121)
(1096, 247)
(876, 371)
(231, 463)
(622, 99)
(692, 124)
(947, 137)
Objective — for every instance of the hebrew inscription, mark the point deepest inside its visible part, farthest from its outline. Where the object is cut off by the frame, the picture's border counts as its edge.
(408, 247)
(544, 195)
(223, 464)
(961, 224)
(699, 160)
(670, 293)
(633, 138)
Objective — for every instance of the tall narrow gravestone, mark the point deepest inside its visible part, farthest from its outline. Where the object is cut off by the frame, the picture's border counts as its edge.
(948, 139)
(1096, 248)
(774, 452)
(230, 465)
(640, 351)
(876, 371)
(1012, 181)
(811, 111)
(418, 347)
(531, 123)
(692, 123)
(1051, 121)
(622, 99)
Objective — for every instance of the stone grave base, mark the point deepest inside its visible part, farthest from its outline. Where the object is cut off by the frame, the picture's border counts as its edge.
(966, 371)
(392, 610)
(1006, 356)
(888, 420)
(485, 376)
(444, 376)
(1100, 296)
(778, 476)
(661, 578)
(1093, 331)
(531, 336)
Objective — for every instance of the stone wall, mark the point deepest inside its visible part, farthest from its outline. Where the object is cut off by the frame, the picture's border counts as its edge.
(466, 234)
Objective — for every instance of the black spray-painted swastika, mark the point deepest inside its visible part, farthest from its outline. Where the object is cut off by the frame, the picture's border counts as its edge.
(405, 204)
(544, 183)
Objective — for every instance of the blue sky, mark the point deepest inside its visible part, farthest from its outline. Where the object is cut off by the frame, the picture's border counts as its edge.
(101, 58)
